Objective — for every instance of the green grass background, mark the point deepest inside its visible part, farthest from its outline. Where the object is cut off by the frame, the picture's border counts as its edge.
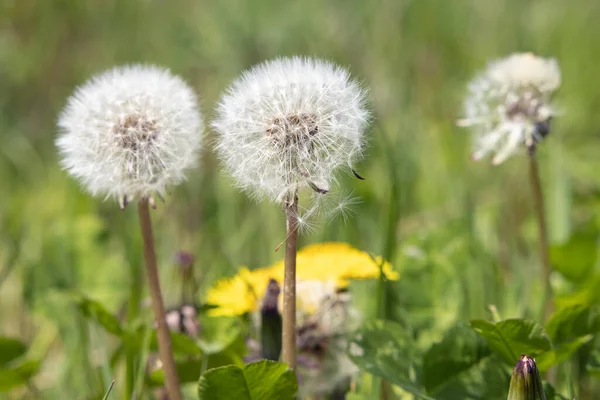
(461, 233)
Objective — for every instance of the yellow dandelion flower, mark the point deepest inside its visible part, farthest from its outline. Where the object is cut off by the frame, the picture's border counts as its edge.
(335, 262)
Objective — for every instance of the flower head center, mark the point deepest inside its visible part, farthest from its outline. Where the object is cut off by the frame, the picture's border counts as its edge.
(527, 106)
(135, 131)
(293, 129)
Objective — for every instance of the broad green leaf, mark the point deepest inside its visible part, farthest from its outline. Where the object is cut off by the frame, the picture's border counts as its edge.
(18, 375)
(10, 349)
(576, 258)
(488, 380)
(262, 380)
(460, 350)
(270, 380)
(575, 321)
(97, 312)
(385, 349)
(512, 337)
(223, 383)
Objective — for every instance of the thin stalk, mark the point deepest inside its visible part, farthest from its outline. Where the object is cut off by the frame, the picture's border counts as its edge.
(108, 391)
(288, 338)
(164, 337)
(538, 205)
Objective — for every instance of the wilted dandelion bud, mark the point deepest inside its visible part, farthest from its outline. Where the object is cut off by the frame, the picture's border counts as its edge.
(508, 106)
(271, 323)
(526, 383)
(288, 124)
(130, 132)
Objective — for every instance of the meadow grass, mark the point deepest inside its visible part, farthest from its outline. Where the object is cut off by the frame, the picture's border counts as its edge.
(462, 234)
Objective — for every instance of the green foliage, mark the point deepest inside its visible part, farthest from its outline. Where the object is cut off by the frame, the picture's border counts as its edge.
(10, 348)
(386, 349)
(263, 380)
(15, 370)
(513, 337)
(576, 258)
(461, 234)
(460, 350)
(20, 374)
(97, 313)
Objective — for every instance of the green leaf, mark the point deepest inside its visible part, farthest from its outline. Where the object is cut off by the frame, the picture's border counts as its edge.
(385, 349)
(551, 393)
(18, 375)
(262, 380)
(188, 371)
(10, 349)
(181, 344)
(223, 383)
(460, 350)
(96, 312)
(574, 321)
(512, 337)
(489, 380)
(576, 258)
(561, 353)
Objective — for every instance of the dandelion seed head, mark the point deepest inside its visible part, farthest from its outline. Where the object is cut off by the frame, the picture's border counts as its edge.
(288, 124)
(508, 106)
(130, 132)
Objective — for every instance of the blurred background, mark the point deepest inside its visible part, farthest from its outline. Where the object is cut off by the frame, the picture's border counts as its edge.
(461, 234)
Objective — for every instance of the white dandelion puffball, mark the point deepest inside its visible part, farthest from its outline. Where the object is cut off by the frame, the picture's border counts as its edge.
(130, 132)
(288, 124)
(508, 106)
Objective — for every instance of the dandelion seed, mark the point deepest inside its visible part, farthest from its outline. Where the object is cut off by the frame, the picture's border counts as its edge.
(342, 206)
(508, 106)
(130, 132)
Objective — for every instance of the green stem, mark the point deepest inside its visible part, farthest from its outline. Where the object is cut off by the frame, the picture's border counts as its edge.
(288, 337)
(164, 337)
(538, 205)
(136, 275)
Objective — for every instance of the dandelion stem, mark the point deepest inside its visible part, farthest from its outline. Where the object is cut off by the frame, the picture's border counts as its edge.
(288, 346)
(538, 205)
(164, 337)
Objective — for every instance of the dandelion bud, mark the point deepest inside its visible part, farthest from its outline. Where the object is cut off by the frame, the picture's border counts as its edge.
(508, 106)
(288, 124)
(130, 132)
(271, 323)
(526, 383)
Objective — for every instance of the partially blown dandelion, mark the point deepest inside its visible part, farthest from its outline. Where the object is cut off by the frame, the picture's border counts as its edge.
(129, 133)
(287, 125)
(508, 106)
